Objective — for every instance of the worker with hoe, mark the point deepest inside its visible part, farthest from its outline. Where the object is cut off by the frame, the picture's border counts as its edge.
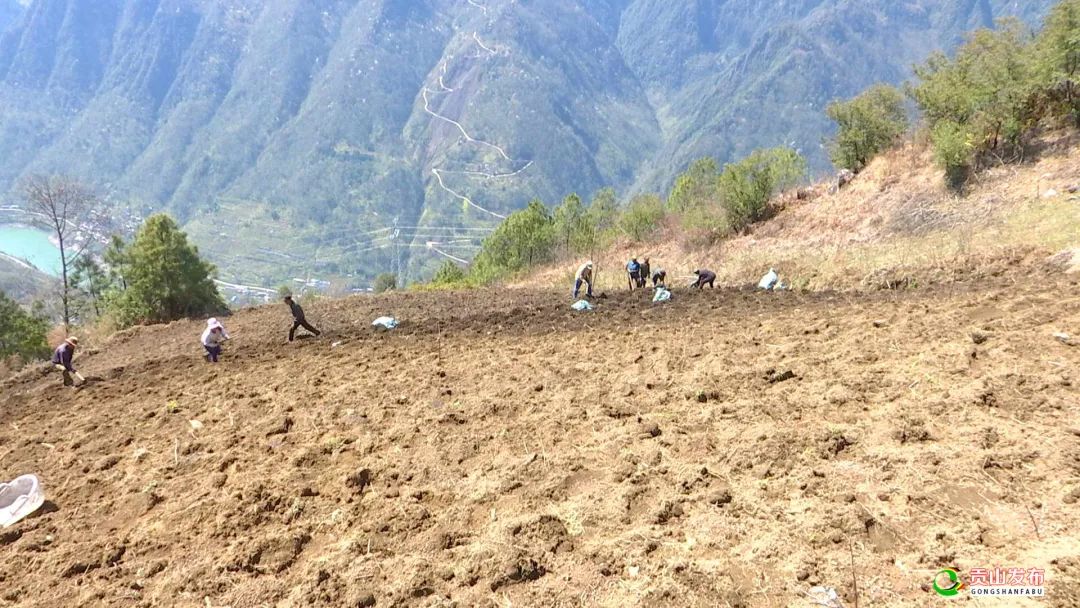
(61, 360)
(644, 273)
(633, 273)
(584, 275)
(704, 277)
(298, 318)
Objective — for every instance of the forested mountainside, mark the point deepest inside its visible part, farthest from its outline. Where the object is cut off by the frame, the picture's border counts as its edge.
(349, 137)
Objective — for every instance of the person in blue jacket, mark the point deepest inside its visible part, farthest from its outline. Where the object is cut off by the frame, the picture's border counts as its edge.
(633, 272)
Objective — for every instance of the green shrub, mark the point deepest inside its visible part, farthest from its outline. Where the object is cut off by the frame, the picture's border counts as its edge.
(386, 281)
(641, 217)
(953, 150)
(747, 186)
(22, 333)
(866, 125)
(449, 274)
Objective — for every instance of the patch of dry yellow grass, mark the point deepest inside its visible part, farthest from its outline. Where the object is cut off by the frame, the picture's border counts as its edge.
(898, 215)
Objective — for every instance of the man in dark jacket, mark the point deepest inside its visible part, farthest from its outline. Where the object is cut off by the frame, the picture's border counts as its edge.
(298, 319)
(644, 274)
(61, 360)
(704, 277)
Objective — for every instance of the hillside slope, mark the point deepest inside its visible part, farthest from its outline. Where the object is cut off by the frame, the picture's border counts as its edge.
(500, 449)
(896, 225)
(341, 137)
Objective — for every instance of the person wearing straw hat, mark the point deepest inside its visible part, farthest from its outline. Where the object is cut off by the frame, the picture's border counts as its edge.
(584, 276)
(212, 338)
(61, 360)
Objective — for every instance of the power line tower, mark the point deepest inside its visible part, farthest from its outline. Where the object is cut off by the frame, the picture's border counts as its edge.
(396, 266)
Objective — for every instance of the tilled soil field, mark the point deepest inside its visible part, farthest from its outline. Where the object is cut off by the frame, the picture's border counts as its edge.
(729, 448)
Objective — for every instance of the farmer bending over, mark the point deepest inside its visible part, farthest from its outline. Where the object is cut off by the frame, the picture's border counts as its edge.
(298, 319)
(212, 338)
(659, 277)
(704, 277)
(61, 360)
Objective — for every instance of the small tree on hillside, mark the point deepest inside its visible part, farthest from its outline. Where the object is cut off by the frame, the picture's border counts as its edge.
(747, 186)
(449, 274)
(91, 282)
(571, 225)
(386, 281)
(116, 262)
(62, 206)
(866, 125)
(167, 279)
(22, 333)
(1057, 57)
(696, 187)
(641, 217)
(985, 90)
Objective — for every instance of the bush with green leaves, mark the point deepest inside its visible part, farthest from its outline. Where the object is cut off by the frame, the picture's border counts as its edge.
(92, 286)
(642, 216)
(524, 239)
(450, 274)
(866, 125)
(22, 332)
(747, 186)
(696, 188)
(384, 282)
(1057, 62)
(166, 278)
(953, 150)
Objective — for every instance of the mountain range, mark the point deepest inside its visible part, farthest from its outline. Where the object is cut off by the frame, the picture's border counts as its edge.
(342, 138)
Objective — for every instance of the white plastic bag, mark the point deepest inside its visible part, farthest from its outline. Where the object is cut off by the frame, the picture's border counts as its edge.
(20, 498)
(661, 295)
(385, 322)
(581, 305)
(769, 280)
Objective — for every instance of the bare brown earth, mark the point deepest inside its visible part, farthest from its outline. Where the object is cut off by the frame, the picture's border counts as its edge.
(730, 448)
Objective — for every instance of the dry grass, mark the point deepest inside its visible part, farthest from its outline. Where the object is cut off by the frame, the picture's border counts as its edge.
(898, 216)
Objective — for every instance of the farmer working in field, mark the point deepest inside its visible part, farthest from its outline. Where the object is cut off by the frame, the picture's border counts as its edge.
(61, 360)
(644, 275)
(633, 273)
(584, 275)
(704, 277)
(298, 319)
(212, 338)
(659, 278)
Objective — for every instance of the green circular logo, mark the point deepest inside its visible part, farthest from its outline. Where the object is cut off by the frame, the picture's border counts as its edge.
(951, 586)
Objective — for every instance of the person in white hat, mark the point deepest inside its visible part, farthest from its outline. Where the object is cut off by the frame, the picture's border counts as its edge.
(212, 338)
(61, 360)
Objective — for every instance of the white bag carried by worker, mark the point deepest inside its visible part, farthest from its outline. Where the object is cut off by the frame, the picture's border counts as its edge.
(20, 498)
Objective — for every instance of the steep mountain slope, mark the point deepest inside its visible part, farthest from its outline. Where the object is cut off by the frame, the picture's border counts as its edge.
(729, 448)
(349, 137)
